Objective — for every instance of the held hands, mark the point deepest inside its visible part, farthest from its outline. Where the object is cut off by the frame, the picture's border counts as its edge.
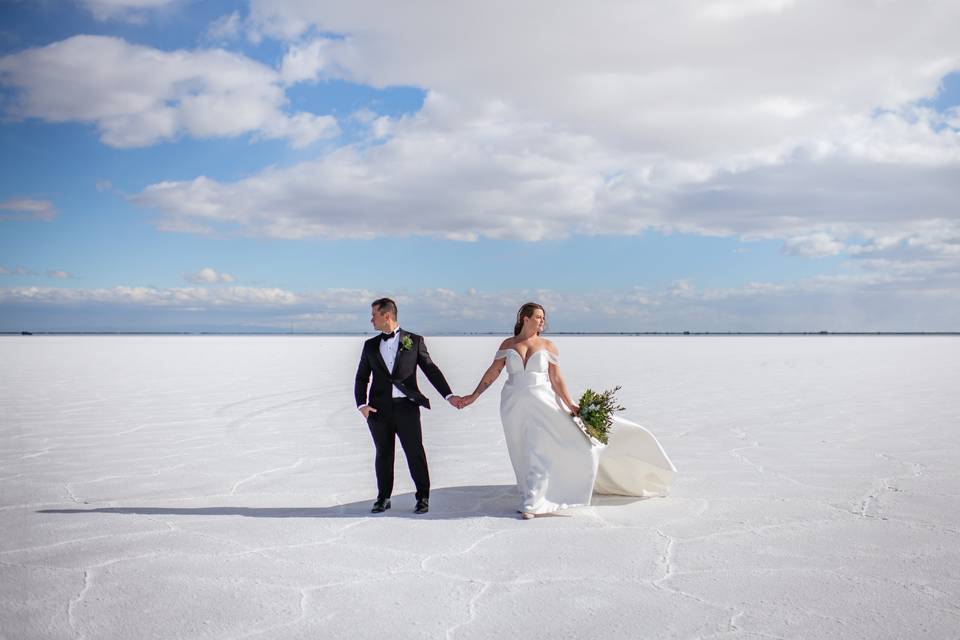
(461, 401)
(458, 402)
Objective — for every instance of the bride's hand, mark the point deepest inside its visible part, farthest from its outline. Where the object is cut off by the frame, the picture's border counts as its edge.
(574, 410)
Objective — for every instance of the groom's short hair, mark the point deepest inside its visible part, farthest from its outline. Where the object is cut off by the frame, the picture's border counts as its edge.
(386, 305)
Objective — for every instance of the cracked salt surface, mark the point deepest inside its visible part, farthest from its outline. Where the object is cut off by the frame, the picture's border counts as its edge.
(219, 487)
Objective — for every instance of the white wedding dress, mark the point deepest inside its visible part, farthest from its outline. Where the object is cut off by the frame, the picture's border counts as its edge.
(555, 463)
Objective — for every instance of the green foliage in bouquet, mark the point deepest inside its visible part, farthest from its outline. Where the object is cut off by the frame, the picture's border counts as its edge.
(596, 412)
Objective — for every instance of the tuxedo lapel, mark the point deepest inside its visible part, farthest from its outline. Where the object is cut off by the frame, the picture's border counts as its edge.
(379, 356)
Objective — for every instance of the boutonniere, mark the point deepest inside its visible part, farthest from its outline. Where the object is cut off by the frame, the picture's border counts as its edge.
(406, 343)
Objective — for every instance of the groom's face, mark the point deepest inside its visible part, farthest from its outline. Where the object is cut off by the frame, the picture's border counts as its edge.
(380, 319)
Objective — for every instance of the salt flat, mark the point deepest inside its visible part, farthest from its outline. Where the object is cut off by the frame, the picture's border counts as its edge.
(219, 487)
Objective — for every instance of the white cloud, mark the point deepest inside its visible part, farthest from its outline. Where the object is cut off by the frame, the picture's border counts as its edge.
(225, 27)
(27, 209)
(459, 174)
(687, 80)
(138, 96)
(438, 183)
(856, 302)
(762, 119)
(303, 62)
(739, 9)
(816, 245)
(126, 10)
(682, 289)
(209, 275)
(23, 271)
(16, 271)
(239, 297)
(301, 129)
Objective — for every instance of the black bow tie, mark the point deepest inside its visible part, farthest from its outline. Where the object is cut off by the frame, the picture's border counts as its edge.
(387, 336)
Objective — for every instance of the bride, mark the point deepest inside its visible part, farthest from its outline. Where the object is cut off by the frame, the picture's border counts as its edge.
(556, 465)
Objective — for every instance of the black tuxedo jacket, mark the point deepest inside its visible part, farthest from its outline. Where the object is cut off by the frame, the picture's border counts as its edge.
(404, 374)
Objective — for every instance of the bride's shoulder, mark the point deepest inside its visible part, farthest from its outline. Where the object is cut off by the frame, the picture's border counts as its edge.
(549, 346)
(505, 347)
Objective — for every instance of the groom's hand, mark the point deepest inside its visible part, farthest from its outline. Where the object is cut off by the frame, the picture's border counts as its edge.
(366, 410)
(456, 401)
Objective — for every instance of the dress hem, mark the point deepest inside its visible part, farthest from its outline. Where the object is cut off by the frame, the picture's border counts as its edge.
(554, 507)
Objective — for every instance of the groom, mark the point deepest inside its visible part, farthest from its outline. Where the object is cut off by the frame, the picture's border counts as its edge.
(393, 408)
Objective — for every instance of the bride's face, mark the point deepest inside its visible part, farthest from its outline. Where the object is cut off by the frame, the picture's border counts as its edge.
(535, 322)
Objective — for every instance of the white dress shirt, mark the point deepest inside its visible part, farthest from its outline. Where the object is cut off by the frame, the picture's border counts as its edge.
(388, 349)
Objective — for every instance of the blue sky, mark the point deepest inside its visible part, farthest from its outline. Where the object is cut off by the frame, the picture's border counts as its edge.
(267, 166)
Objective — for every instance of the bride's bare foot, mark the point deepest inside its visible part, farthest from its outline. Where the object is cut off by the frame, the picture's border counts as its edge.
(526, 515)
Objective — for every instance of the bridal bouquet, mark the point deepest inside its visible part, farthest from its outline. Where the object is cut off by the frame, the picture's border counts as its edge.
(596, 413)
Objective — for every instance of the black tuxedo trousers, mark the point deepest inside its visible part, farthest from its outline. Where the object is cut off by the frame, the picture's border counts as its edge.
(399, 419)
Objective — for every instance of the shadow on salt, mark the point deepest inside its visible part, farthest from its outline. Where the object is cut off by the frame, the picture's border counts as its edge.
(446, 503)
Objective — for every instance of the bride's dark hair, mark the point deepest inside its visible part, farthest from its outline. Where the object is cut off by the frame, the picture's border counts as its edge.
(526, 311)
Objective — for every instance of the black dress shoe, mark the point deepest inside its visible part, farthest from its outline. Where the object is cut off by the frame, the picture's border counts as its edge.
(380, 506)
(422, 506)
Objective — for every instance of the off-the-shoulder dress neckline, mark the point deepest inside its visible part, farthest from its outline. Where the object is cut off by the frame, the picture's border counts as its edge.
(519, 355)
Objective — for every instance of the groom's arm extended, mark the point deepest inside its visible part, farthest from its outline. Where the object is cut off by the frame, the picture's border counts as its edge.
(363, 379)
(432, 371)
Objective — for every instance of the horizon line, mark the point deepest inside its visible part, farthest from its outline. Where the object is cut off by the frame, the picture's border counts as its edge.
(483, 333)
